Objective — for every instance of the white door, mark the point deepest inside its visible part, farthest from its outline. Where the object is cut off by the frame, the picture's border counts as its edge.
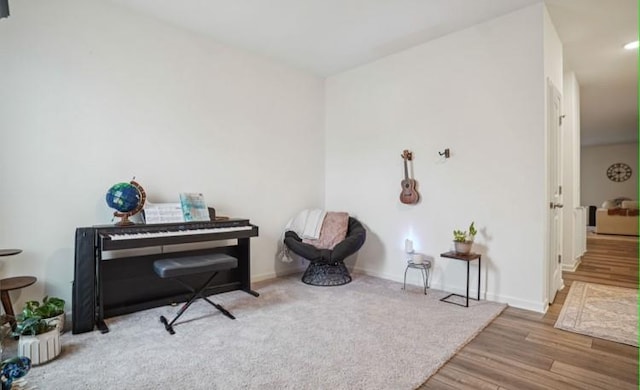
(555, 190)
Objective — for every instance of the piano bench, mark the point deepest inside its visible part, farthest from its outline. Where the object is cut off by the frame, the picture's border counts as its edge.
(174, 268)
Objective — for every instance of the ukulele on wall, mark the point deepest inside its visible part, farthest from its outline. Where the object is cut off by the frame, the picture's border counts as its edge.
(409, 194)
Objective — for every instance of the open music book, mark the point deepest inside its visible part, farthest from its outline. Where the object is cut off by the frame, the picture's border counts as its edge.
(163, 212)
(192, 207)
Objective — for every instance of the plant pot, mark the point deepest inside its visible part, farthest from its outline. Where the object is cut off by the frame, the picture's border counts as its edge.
(463, 248)
(58, 321)
(40, 348)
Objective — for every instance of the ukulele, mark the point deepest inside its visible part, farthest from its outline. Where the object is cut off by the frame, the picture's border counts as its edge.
(409, 195)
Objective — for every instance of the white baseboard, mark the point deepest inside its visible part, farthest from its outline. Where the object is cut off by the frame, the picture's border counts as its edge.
(540, 307)
(380, 275)
(572, 267)
(272, 275)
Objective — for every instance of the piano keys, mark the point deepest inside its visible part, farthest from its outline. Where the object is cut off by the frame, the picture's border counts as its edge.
(140, 236)
(106, 288)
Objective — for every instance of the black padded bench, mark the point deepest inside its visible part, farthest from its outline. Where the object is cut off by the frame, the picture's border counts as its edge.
(182, 266)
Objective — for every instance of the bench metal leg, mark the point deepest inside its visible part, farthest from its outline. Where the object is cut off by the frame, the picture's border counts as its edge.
(219, 307)
(197, 293)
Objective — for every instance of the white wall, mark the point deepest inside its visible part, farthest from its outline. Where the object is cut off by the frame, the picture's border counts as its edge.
(552, 52)
(596, 186)
(571, 165)
(479, 92)
(92, 94)
(573, 135)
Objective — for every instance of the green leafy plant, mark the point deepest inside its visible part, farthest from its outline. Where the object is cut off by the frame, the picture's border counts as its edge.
(33, 318)
(50, 307)
(31, 326)
(464, 235)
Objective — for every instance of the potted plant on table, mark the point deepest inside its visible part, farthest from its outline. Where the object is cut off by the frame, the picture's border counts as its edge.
(51, 309)
(39, 340)
(463, 239)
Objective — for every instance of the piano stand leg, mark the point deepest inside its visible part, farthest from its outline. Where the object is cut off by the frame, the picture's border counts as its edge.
(254, 293)
(102, 326)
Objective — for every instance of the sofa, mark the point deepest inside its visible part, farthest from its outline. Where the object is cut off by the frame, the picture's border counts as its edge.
(614, 219)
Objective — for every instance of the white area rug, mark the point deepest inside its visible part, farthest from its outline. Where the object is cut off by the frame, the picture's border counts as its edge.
(606, 312)
(367, 334)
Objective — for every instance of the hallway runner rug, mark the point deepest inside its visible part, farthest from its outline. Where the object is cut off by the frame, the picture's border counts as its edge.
(606, 312)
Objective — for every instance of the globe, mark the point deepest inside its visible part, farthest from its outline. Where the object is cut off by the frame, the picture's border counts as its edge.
(127, 199)
(123, 197)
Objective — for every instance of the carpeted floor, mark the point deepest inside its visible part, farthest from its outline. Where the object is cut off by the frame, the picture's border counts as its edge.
(368, 334)
(606, 312)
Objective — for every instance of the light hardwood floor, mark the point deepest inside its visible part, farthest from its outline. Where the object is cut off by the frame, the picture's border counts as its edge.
(522, 350)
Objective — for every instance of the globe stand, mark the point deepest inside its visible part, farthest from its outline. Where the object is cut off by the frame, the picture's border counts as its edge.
(125, 218)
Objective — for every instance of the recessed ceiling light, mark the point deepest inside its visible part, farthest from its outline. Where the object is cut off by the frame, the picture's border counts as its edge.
(631, 45)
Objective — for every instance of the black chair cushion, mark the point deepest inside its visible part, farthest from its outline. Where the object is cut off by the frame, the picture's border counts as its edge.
(180, 266)
(356, 235)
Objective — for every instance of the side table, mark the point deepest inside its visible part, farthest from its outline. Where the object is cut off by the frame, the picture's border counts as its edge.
(468, 258)
(424, 270)
(9, 284)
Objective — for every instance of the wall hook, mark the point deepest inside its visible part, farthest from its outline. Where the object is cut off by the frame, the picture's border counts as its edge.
(446, 153)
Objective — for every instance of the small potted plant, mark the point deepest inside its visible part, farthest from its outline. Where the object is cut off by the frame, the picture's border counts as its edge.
(51, 309)
(39, 340)
(463, 239)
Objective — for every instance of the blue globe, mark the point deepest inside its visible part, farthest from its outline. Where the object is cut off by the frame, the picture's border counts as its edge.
(13, 368)
(123, 197)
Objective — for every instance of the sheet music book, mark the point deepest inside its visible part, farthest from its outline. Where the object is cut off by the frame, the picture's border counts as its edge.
(163, 212)
(193, 207)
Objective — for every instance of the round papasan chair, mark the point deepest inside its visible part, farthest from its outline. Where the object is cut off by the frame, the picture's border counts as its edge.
(326, 266)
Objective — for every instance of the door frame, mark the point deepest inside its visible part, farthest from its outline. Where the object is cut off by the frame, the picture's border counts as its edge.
(555, 282)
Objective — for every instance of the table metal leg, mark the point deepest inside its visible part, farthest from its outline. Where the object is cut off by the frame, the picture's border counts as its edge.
(465, 297)
(479, 268)
(467, 304)
(424, 272)
(404, 285)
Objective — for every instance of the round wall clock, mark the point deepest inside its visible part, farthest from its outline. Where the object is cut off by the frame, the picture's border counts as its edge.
(619, 172)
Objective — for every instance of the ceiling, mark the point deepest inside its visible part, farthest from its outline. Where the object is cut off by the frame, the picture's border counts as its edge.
(592, 34)
(329, 36)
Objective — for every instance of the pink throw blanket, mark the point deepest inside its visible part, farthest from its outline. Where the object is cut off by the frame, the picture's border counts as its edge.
(334, 230)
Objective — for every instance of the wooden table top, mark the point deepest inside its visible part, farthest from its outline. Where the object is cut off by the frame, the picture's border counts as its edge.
(9, 252)
(460, 256)
(17, 282)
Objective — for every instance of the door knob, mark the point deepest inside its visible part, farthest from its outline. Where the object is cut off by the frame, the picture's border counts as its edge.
(555, 205)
